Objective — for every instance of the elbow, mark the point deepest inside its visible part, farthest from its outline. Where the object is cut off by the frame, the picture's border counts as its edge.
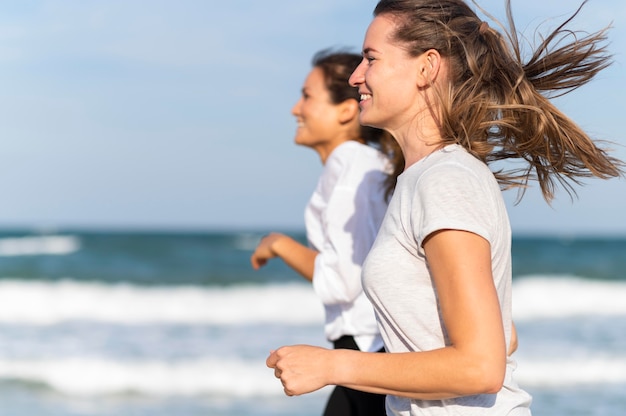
(486, 378)
(493, 385)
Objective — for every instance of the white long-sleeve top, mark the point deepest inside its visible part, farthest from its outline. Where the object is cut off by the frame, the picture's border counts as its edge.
(342, 219)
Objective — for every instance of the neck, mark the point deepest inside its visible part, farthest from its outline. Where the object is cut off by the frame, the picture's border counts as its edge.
(325, 150)
(416, 144)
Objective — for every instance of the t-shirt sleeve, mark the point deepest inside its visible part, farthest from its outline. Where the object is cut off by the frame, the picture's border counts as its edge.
(452, 197)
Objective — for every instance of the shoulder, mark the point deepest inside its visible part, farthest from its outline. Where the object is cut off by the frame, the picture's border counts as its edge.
(351, 148)
(352, 155)
(450, 161)
(354, 167)
(455, 190)
(452, 174)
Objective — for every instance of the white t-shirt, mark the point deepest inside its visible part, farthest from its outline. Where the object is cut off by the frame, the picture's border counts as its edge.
(342, 219)
(449, 189)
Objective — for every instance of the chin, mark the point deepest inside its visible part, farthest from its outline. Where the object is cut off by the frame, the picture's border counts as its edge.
(366, 120)
(369, 123)
(301, 142)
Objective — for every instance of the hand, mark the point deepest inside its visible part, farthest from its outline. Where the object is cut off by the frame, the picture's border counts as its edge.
(300, 368)
(264, 250)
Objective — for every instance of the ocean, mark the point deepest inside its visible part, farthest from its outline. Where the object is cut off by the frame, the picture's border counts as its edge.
(148, 323)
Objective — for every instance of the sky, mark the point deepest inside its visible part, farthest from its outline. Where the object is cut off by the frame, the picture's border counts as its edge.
(175, 115)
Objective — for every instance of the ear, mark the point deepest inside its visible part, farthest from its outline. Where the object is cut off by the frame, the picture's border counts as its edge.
(429, 66)
(347, 111)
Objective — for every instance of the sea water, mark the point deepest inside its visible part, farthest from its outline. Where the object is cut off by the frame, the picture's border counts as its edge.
(128, 323)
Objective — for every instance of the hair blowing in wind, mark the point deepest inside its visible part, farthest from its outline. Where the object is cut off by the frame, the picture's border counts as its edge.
(497, 104)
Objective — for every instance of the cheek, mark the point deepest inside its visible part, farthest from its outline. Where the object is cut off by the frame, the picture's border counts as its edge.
(319, 116)
(318, 123)
(400, 96)
(311, 111)
(393, 102)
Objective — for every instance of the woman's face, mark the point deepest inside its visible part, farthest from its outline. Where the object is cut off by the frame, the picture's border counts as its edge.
(317, 116)
(386, 79)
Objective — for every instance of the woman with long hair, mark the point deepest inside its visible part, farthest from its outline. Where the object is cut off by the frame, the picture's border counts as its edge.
(457, 96)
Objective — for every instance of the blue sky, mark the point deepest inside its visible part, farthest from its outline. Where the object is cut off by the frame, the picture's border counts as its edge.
(176, 115)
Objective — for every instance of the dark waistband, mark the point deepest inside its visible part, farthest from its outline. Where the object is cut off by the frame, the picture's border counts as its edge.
(347, 342)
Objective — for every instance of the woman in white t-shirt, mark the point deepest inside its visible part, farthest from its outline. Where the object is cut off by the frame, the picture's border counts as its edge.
(343, 215)
(456, 95)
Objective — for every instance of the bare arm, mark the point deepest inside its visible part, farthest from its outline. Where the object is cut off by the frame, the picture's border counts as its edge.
(295, 255)
(473, 363)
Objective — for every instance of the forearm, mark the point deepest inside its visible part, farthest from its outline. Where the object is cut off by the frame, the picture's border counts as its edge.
(297, 256)
(433, 375)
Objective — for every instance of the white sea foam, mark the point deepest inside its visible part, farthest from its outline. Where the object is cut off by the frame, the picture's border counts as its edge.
(42, 303)
(233, 378)
(571, 371)
(88, 377)
(566, 296)
(38, 245)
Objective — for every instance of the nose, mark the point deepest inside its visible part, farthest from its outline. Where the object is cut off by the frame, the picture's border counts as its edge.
(357, 76)
(295, 110)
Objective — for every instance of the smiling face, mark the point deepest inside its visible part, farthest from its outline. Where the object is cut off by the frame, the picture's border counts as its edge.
(386, 79)
(319, 122)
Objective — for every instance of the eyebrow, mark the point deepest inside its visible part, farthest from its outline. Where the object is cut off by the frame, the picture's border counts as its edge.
(368, 50)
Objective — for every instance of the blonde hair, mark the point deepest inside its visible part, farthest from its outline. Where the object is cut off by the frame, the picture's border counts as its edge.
(494, 104)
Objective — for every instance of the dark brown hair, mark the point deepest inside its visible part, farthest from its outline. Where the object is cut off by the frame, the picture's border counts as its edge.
(337, 66)
(496, 105)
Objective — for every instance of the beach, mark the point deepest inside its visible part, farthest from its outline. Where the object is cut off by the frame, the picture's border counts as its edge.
(147, 323)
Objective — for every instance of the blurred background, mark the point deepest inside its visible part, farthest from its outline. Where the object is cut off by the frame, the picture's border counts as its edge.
(161, 115)
(147, 146)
